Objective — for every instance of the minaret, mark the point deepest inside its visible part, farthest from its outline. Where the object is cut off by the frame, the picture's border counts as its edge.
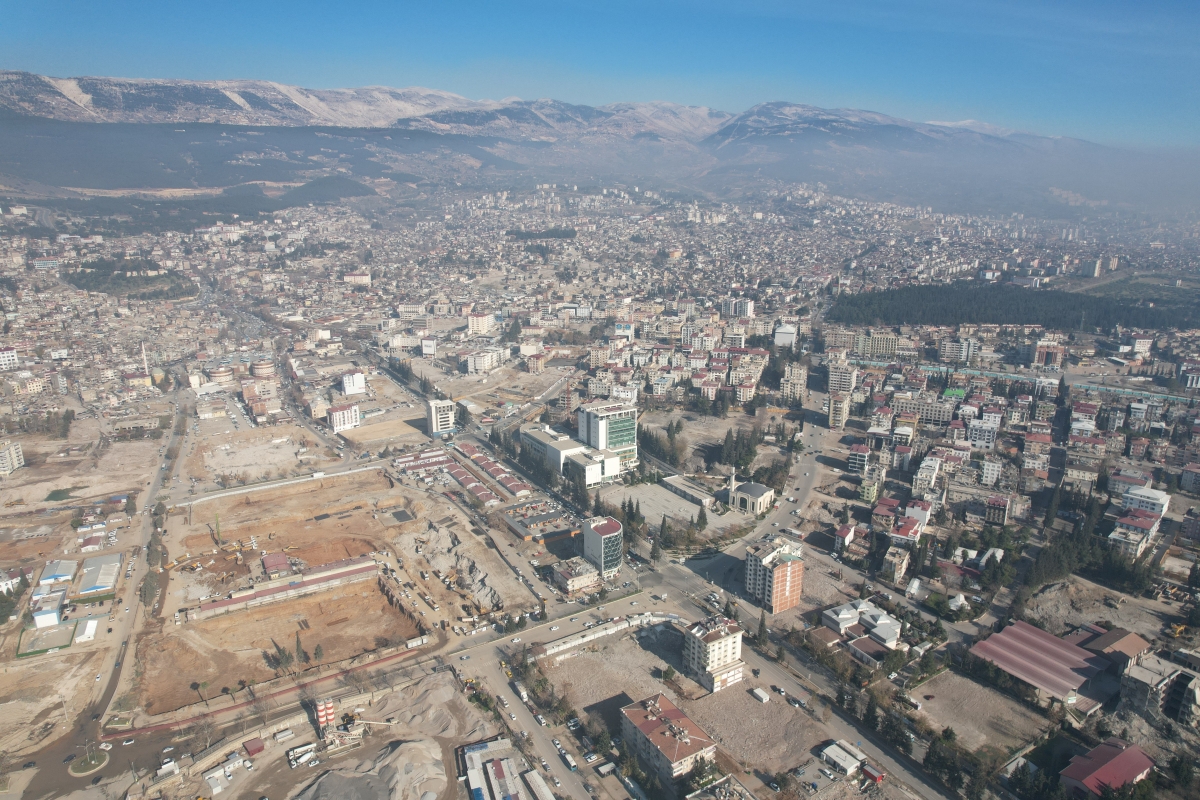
(145, 363)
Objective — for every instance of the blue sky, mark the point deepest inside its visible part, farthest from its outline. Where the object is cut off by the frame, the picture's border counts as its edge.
(1114, 72)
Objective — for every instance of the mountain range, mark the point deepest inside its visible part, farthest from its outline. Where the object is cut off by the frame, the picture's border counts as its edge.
(117, 134)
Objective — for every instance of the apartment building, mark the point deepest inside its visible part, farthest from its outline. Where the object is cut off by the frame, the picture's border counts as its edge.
(664, 739)
(12, 458)
(842, 378)
(794, 382)
(344, 417)
(839, 411)
(439, 416)
(775, 575)
(712, 652)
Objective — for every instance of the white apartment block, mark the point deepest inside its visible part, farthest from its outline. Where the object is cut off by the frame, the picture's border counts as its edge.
(11, 457)
(8, 358)
(712, 652)
(344, 417)
(482, 362)
(480, 324)
(981, 435)
(354, 383)
(842, 378)
(439, 414)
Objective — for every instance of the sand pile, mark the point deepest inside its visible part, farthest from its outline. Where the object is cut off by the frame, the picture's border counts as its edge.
(410, 767)
(431, 707)
(444, 552)
(401, 771)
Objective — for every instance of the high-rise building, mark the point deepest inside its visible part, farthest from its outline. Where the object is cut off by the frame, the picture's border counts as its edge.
(480, 324)
(602, 545)
(775, 575)
(439, 414)
(842, 378)
(354, 383)
(12, 458)
(839, 411)
(794, 382)
(712, 652)
(608, 425)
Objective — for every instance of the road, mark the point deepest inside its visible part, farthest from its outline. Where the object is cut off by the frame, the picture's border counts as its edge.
(52, 779)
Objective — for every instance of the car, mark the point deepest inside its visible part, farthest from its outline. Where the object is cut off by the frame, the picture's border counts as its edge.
(512, 715)
(106, 745)
(464, 658)
(97, 677)
(29, 765)
(515, 640)
(573, 619)
(127, 742)
(774, 786)
(168, 749)
(774, 524)
(97, 779)
(805, 475)
(557, 782)
(556, 743)
(794, 702)
(892, 676)
(553, 627)
(70, 757)
(95, 717)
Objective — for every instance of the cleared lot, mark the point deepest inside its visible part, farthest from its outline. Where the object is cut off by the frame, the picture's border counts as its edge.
(979, 714)
(767, 737)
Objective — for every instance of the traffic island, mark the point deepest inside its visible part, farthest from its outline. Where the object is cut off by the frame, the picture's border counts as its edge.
(89, 764)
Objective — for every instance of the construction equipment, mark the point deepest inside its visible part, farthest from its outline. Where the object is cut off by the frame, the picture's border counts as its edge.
(18, 502)
(290, 548)
(1176, 630)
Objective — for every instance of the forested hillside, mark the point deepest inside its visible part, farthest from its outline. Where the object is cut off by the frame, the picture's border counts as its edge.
(997, 304)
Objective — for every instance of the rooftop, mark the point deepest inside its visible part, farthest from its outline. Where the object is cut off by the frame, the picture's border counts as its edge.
(667, 728)
(1040, 659)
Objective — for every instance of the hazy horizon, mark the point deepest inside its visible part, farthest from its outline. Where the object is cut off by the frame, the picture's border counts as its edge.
(1103, 72)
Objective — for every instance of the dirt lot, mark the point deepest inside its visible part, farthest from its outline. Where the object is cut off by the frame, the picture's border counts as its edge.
(979, 714)
(507, 384)
(217, 448)
(1063, 606)
(78, 464)
(703, 434)
(767, 737)
(30, 703)
(223, 650)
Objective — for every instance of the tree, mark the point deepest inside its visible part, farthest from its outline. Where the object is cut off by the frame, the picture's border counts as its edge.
(701, 519)
(1182, 770)
(871, 715)
(762, 638)
(319, 653)
(130, 505)
(1052, 509)
(731, 610)
(1194, 576)
(656, 550)
(302, 656)
(668, 673)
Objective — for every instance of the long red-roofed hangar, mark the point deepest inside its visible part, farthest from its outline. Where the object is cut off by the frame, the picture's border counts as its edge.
(1056, 669)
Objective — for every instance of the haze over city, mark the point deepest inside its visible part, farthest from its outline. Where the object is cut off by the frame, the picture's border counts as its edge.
(675, 401)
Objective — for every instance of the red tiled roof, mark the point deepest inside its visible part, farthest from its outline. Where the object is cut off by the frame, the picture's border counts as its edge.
(1040, 659)
(1111, 764)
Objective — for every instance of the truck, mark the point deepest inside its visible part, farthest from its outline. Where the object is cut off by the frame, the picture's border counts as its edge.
(760, 695)
(519, 688)
(570, 759)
